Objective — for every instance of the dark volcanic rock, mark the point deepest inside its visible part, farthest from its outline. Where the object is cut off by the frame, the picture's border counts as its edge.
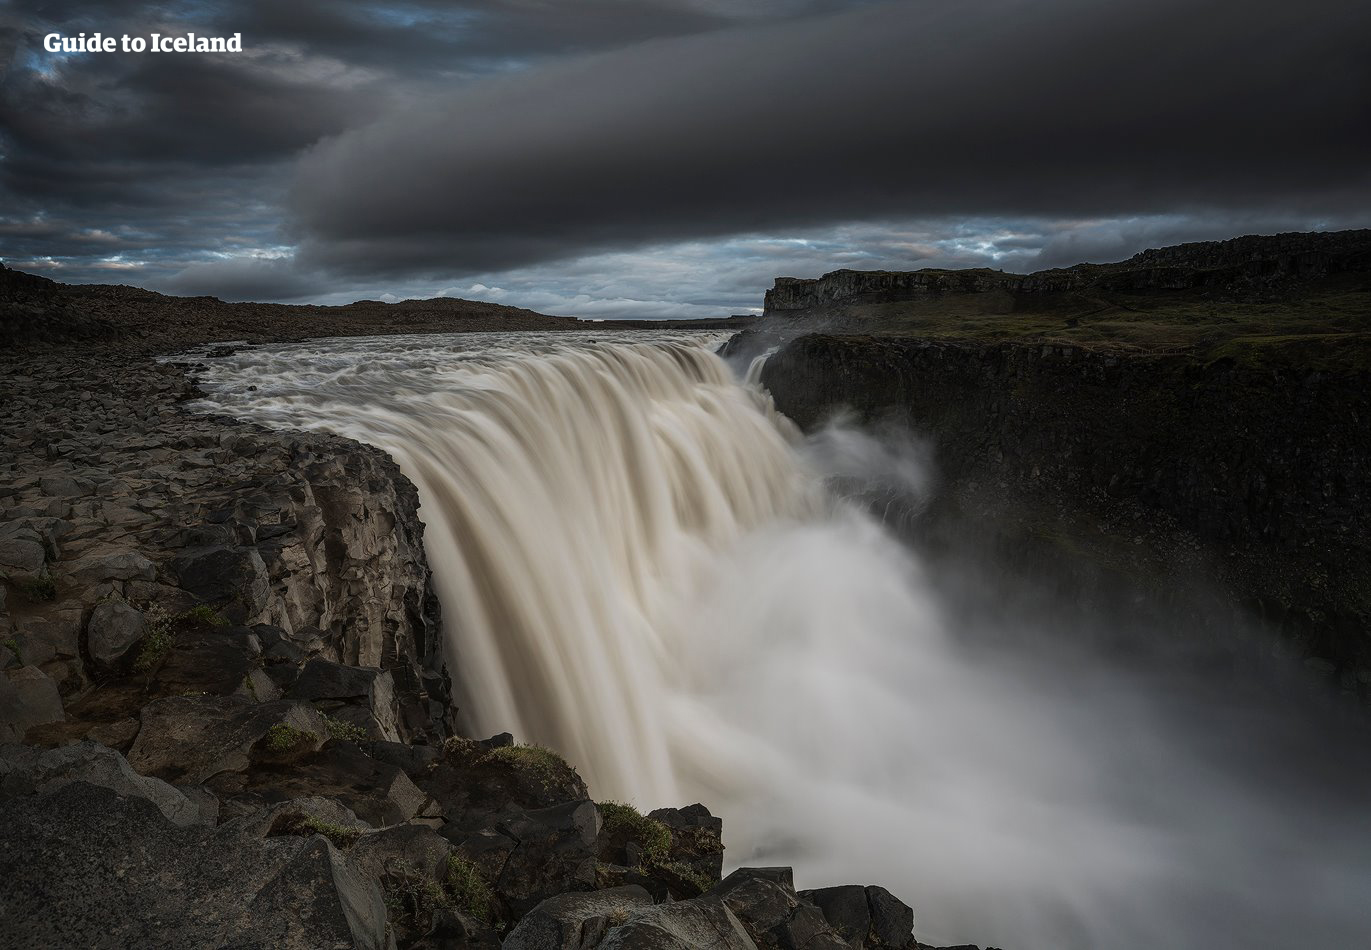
(865, 916)
(195, 738)
(232, 580)
(685, 925)
(575, 921)
(554, 852)
(84, 867)
(113, 629)
(25, 770)
(362, 696)
(764, 899)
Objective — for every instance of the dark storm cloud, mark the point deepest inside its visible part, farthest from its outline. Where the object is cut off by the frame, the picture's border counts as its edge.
(176, 155)
(664, 157)
(943, 107)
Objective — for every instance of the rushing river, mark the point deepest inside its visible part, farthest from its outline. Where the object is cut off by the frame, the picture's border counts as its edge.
(643, 566)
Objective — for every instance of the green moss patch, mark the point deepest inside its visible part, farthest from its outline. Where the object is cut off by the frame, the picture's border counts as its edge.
(624, 824)
(282, 738)
(306, 825)
(468, 888)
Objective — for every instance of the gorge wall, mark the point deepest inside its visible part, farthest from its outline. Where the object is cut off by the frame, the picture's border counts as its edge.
(1242, 266)
(1255, 475)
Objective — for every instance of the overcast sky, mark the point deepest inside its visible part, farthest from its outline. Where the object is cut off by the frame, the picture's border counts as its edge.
(654, 158)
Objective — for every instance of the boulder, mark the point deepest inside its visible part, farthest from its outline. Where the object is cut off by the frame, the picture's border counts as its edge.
(233, 580)
(764, 899)
(59, 634)
(286, 818)
(209, 659)
(684, 925)
(363, 696)
(696, 839)
(63, 486)
(555, 852)
(865, 917)
(378, 793)
(190, 739)
(415, 845)
(110, 564)
(28, 697)
(21, 559)
(24, 769)
(114, 627)
(575, 921)
(892, 920)
(117, 735)
(124, 876)
(478, 783)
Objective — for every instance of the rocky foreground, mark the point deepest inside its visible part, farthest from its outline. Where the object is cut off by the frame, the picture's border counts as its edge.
(226, 718)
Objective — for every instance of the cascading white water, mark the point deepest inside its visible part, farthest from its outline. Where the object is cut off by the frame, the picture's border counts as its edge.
(640, 566)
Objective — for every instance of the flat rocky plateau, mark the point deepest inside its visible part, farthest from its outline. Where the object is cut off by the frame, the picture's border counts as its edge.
(224, 708)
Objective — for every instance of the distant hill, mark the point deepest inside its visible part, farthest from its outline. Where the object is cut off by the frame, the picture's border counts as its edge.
(36, 310)
(1256, 289)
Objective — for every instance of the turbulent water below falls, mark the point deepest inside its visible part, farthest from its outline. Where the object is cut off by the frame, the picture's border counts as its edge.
(644, 567)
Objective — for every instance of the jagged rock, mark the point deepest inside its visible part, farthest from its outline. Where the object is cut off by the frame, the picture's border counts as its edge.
(58, 634)
(114, 627)
(684, 925)
(866, 917)
(111, 564)
(415, 845)
(25, 770)
(208, 659)
(378, 793)
(28, 697)
(696, 838)
(124, 876)
(63, 486)
(477, 783)
(192, 739)
(764, 899)
(21, 559)
(328, 897)
(892, 920)
(292, 817)
(47, 532)
(259, 687)
(232, 580)
(555, 852)
(205, 801)
(487, 849)
(117, 735)
(575, 921)
(453, 930)
(413, 759)
(363, 696)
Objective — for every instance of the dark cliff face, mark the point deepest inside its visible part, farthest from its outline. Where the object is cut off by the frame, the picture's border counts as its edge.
(1263, 470)
(1242, 266)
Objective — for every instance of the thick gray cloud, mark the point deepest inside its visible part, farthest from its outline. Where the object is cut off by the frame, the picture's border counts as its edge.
(664, 157)
(936, 107)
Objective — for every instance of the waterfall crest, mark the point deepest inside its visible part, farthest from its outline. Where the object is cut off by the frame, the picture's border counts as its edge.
(641, 565)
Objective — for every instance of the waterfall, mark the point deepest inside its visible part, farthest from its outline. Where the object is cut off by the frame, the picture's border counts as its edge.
(644, 567)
